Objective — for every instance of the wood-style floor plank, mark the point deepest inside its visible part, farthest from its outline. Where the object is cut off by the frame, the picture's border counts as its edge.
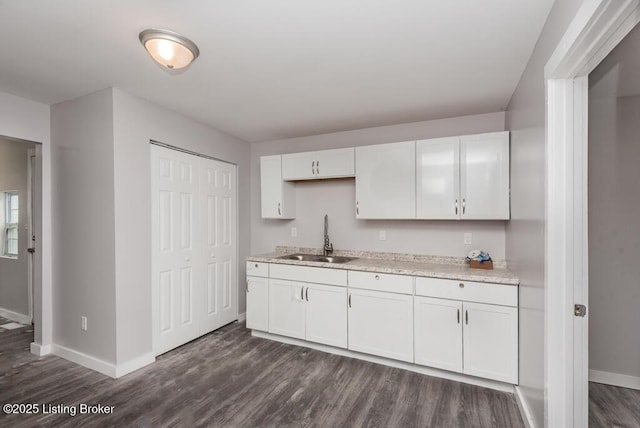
(230, 379)
(612, 406)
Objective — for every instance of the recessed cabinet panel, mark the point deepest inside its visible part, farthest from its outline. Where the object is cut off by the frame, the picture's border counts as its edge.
(336, 163)
(484, 178)
(386, 181)
(277, 196)
(438, 178)
(258, 303)
(438, 333)
(326, 315)
(491, 342)
(286, 308)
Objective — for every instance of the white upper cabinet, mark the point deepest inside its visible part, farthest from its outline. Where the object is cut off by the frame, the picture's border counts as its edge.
(278, 196)
(438, 178)
(338, 163)
(463, 178)
(386, 181)
(484, 176)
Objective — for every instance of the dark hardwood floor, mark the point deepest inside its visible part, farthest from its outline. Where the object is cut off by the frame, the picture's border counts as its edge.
(612, 406)
(230, 379)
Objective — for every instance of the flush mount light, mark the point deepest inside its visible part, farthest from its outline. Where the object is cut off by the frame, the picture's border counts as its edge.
(169, 49)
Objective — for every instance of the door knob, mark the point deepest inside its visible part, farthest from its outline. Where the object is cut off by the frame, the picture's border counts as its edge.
(31, 250)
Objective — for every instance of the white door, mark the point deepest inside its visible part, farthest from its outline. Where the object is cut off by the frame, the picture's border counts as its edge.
(320, 164)
(438, 178)
(194, 256)
(386, 181)
(326, 314)
(175, 216)
(258, 303)
(438, 333)
(484, 176)
(286, 308)
(381, 324)
(491, 342)
(218, 192)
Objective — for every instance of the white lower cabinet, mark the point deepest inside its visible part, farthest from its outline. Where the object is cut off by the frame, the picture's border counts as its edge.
(381, 324)
(471, 338)
(314, 312)
(258, 303)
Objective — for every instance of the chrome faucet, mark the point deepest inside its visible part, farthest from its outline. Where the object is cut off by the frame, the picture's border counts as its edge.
(328, 246)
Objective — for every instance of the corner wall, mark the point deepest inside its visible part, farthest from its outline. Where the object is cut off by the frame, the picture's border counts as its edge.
(336, 198)
(525, 232)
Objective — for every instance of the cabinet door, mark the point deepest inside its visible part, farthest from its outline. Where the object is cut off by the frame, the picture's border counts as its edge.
(484, 187)
(386, 181)
(491, 341)
(438, 178)
(277, 196)
(438, 333)
(286, 308)
(320, 164)
(258, 303)
(381, 324)
(326, 314)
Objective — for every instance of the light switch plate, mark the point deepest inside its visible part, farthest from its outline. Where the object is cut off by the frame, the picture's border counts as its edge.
(468, 238)
(294, 232)
(383, 235)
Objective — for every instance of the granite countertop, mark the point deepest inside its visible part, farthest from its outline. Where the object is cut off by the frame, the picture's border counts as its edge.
(402, 264)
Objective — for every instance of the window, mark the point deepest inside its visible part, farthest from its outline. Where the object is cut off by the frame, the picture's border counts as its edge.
(11, 216)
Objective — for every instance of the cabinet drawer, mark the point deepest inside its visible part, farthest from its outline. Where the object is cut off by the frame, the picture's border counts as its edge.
(257, 269)
(309, 274)
(381, 282)
(469, 291)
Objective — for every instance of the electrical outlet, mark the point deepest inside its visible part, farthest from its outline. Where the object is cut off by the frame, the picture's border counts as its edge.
(383, 235)
(83, 321)
(468, 238)
(294, 232)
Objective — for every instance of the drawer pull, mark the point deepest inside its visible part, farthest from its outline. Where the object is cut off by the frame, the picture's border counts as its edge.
(256, 265)
(307, 294)
(461, 285)
(349, 300)
(466, 317)
(377, 277)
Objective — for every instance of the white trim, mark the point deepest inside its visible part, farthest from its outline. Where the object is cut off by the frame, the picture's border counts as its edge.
(615, 379)
(85, 360)
(525, 410)
(31, 153)
(458, 377)
(135, 364)
(599, 25)
(40, 350)
(15, 316)
(242, 317)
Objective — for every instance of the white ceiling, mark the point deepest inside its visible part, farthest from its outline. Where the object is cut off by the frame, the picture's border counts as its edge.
(272, 69)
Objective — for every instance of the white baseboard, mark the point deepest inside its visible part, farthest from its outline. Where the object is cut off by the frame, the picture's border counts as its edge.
(40, 350)
(15, 316)
(85, 360)
(525, 410)
(499, 386)
(614, 379)
(135, 364)
(242, 317)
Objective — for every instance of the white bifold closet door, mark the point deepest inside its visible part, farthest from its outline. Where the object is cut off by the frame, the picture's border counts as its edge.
(194, 249)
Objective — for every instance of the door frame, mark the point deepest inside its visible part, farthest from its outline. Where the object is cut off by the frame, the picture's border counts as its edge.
(31, 227)
(597, 28)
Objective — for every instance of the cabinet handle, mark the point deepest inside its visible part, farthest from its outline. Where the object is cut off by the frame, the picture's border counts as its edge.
(248, 286)
(377, 277)
(357, 209)
(456, 207)
(466, 317)
(302, 293)
(307, 294)
(313, 163)
(458, 316)
(256, 265)
(317, 167)
(349, 300)
(279, 212)
(464, 205)
(461, 285)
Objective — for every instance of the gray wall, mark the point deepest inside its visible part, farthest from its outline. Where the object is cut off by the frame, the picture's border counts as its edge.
(84, 227)
(14, 280)
(614, 211)
(336, 198)
(525, 232)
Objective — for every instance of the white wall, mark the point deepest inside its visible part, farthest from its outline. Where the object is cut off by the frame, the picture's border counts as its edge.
(84, 227)
(614, 211)
(314, 199)
(14, 280)
(525, 232)
(28, 120)
(136, 122)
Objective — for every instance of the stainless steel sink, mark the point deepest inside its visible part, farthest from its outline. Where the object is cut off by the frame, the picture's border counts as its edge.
(317, 258)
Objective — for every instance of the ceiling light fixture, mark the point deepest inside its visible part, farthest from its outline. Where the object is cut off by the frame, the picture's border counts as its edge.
(169, 49)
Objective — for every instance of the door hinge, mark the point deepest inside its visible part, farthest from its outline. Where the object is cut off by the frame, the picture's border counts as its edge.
(579, 310)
